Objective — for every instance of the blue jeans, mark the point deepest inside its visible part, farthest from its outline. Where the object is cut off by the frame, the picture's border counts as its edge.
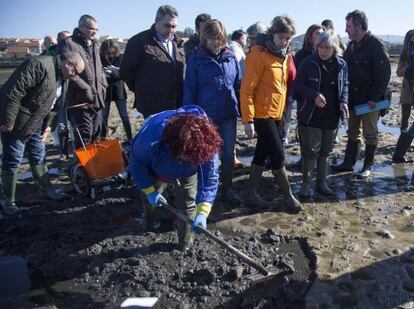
(227, 130)
(13, 150)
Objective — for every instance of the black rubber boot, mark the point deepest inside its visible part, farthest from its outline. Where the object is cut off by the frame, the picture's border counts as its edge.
(351, 156)
(405, 116)
(9, 180)
(185, 195)
(321, 174)
(365, 172)
(253, 199)
(64, 143)
(227, 183)
(403, 144)
(307, 169)
(41, 177)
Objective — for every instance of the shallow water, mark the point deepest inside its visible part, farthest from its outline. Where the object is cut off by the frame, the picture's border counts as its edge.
(14, 276)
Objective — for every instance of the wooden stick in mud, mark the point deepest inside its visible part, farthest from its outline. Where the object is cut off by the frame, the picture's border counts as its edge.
(221, 242)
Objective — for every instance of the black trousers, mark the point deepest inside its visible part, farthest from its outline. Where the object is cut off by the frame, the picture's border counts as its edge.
(269, 144)
(87, 123)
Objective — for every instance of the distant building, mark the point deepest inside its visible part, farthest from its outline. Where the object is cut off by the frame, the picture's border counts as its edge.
(17, 46)
(17, 51)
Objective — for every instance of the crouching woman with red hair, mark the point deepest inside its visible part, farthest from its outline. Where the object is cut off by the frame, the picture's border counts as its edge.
(181, 147)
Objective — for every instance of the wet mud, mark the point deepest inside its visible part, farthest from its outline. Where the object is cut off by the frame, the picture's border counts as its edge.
(353, 249)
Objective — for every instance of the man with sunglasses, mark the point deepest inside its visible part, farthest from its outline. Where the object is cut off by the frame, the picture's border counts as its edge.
(26, 99)
(153, 65)
(88, 90)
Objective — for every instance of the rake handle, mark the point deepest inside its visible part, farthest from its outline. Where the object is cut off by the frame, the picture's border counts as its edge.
(221, 242)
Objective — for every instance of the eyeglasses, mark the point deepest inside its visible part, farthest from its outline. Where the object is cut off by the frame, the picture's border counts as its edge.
(90, 28)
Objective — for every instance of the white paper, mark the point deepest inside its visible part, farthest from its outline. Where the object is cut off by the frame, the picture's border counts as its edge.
(144, 302)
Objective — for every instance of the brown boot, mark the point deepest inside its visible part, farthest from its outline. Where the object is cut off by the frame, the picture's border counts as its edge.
(282, 180)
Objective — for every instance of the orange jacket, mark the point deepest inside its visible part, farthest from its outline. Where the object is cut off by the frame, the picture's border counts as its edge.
(263, 92)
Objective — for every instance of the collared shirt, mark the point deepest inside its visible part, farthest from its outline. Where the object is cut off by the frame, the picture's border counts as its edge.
(167, 43)
(58, 93)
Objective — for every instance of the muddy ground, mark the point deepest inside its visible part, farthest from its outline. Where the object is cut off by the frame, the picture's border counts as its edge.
(351, 250)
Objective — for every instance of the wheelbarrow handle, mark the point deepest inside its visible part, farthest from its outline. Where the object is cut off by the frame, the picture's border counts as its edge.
(220, 241)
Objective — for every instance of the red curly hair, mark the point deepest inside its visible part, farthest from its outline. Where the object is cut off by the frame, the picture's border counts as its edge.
(192, 138)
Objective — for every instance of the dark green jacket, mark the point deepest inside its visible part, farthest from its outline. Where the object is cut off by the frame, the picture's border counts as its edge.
(27, 96)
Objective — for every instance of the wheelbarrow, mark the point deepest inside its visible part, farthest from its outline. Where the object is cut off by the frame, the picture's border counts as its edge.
(99, 164)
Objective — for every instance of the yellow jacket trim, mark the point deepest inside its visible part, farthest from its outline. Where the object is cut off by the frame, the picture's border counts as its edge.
(203, 208)
(149, 190)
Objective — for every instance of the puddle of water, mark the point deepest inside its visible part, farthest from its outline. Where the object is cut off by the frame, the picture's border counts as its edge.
(248, 221)
(381, 128)
(248, 159)
(14, 276)
(25, 175)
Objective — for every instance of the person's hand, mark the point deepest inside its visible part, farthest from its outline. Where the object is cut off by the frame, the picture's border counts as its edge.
(44, 134)
(200, 220)
(114, 70)
(5, 128)
(156, 199)
(320, 101)
(249, 130)
(344, 109)
(372, 104)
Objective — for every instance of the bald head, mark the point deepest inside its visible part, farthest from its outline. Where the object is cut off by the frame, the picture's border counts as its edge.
(49, 41)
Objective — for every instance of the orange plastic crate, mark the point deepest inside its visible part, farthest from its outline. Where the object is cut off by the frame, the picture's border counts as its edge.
(102, 159)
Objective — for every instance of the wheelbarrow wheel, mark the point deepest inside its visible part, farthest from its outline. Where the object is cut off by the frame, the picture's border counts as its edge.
(80, 180)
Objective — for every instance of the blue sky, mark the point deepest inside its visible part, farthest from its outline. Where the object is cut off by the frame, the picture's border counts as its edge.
(124, 18)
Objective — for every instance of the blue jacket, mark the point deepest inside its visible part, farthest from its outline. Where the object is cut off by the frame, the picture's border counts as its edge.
(213, 84)
(298, 58)
(308, 82)
(150, 158)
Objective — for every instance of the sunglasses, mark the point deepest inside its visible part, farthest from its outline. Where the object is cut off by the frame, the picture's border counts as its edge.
(90, 28)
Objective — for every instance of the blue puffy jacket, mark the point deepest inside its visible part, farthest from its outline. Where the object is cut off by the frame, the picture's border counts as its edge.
(213, 84)
(307, 85)
(150, 158)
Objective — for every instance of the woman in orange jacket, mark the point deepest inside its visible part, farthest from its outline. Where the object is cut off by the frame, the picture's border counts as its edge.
(263, 97)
